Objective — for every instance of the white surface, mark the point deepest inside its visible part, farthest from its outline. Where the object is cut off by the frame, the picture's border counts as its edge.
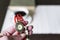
(47, 19)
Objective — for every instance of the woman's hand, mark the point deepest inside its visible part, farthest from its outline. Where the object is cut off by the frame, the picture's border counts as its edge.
(12, 34)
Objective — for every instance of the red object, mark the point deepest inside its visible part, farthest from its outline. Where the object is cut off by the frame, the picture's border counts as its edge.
(18, 17)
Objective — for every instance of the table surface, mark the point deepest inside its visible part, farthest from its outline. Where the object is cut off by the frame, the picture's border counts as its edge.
(45, 37)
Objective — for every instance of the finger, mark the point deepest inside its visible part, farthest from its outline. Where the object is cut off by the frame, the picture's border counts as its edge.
(16, 33)
(11, 30)
(4, 38)
(25, 23)
(19, 37)
(30, 32)
(29, 28)
(4, 33)
(7, 34)
(23, 35)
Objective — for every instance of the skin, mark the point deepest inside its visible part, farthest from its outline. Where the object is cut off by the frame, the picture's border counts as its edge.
(12, 34)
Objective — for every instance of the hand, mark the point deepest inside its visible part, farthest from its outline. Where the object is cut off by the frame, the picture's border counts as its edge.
(10, 32)
(4, 38)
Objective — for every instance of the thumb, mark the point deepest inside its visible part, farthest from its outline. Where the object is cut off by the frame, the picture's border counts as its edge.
(4, 38)
(9, 30)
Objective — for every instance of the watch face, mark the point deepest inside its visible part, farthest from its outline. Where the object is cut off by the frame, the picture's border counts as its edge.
(19, 27)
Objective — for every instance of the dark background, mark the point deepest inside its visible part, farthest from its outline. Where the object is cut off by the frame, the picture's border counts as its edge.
(3, 7)
(47, 2)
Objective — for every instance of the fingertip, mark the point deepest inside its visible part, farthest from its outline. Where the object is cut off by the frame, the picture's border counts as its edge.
(23, 35)
(30, 28)
(15, 33)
